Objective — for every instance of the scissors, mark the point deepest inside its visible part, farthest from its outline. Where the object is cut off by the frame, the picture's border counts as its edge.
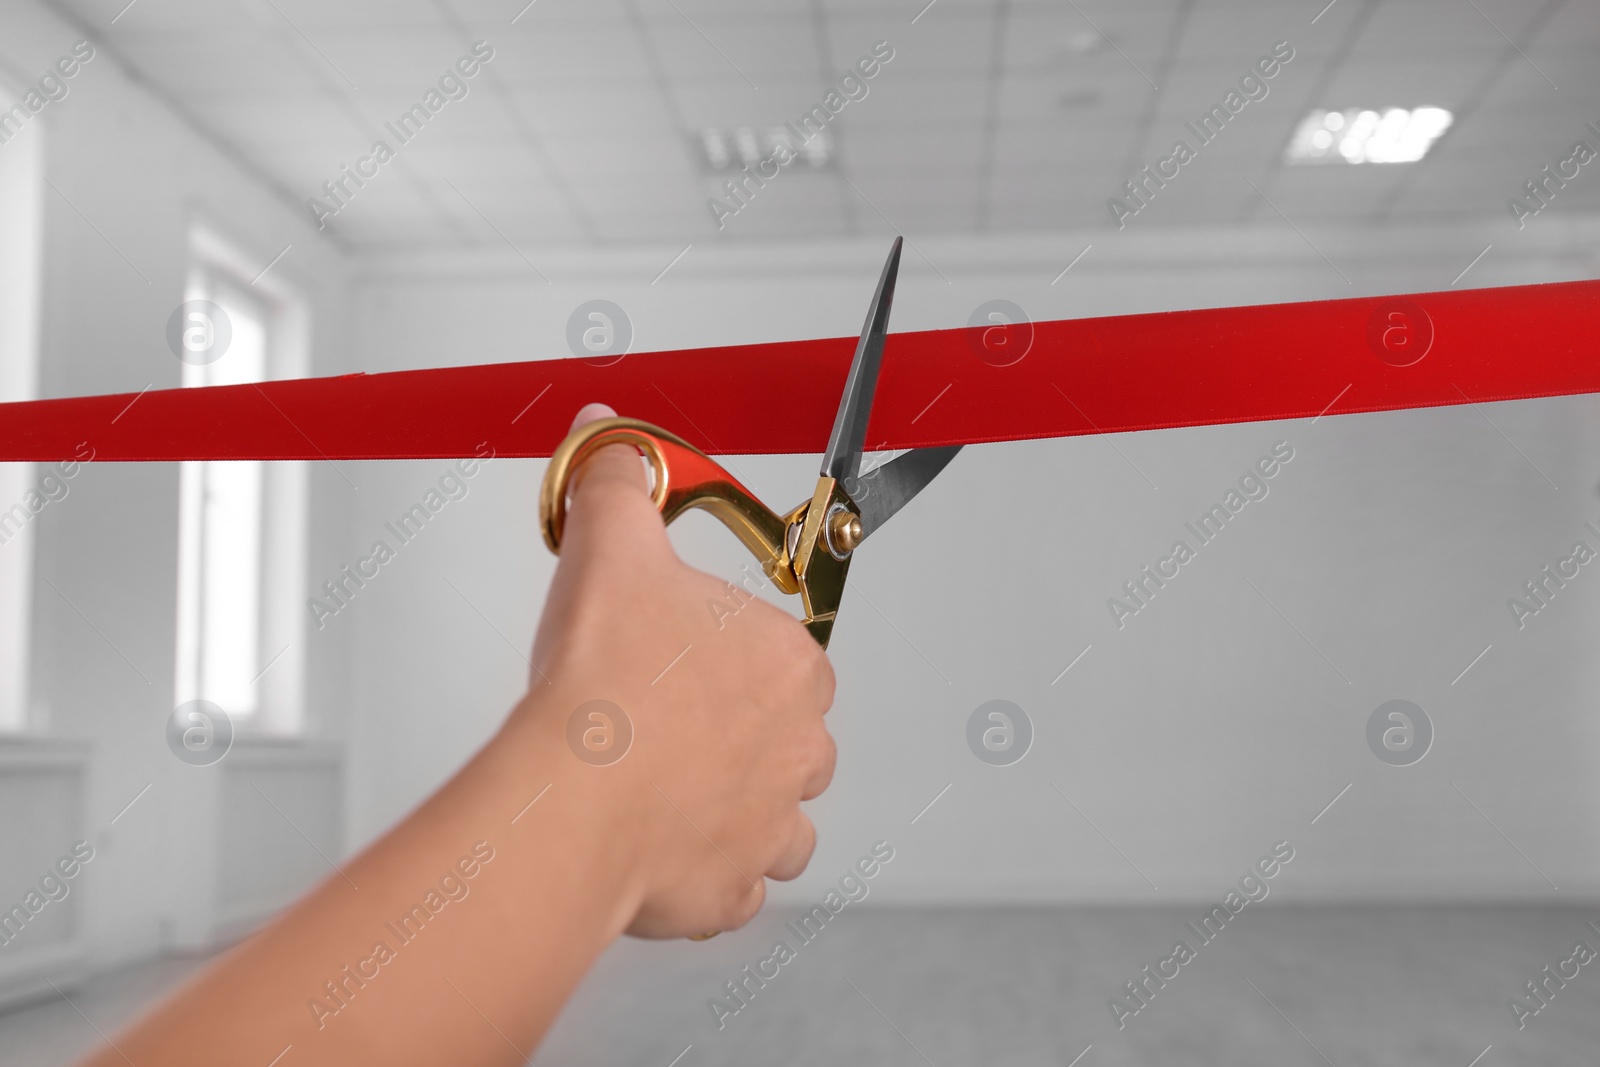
(808, 549)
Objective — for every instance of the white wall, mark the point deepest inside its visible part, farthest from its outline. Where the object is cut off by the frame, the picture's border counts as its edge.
(128, 177)
(1193, 739)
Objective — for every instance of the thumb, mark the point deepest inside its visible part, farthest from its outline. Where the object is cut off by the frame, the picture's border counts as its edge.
(613, 468)
(610, 492)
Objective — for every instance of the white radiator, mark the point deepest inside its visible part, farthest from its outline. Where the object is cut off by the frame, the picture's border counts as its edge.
(42, 787)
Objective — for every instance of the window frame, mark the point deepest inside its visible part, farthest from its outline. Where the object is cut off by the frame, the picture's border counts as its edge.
(22, 175)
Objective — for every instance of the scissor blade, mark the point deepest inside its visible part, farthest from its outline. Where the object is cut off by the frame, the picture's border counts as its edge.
(843, 458)
(883, 491)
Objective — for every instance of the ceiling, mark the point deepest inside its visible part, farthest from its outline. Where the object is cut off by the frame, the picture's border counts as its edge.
(992, 116)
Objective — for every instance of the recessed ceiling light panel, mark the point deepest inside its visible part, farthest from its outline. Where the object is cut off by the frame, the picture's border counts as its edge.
(1362, 135)
(726, 148)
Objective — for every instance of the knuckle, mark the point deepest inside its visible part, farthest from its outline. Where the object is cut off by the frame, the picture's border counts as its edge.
(817, 751)
(829, 754)
(794, 649)
(818, 770)
(796, 855)
(809, 667)
(748, 905)
(792, 638)
(808, 842)
(827, 682)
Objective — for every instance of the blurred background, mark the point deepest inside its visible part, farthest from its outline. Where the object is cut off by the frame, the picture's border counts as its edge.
(194, 193)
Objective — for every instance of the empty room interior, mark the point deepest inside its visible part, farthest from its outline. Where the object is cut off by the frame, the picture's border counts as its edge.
(1231, 696)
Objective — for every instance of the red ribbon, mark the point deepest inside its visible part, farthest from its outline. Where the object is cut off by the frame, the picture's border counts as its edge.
(1050, 379)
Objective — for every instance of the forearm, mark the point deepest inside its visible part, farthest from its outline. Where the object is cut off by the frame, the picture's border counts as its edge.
(402, 957)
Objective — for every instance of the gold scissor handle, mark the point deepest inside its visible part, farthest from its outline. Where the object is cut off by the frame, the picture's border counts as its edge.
(685, 478)
(795, 550)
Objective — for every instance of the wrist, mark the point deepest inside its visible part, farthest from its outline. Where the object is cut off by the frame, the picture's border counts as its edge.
(591, 809)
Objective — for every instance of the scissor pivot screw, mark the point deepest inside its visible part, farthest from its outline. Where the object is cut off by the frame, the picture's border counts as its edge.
(843, 531)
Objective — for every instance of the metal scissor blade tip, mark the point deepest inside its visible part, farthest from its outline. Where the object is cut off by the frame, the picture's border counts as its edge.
(842, 460)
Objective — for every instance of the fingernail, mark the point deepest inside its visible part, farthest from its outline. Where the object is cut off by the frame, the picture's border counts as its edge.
(590, 413)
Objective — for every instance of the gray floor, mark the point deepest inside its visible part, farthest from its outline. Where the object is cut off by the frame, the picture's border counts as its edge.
(1365, 986)
(1351, 986)
(53, 1032)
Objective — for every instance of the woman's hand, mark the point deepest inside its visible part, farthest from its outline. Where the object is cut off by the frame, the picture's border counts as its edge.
(725, 695)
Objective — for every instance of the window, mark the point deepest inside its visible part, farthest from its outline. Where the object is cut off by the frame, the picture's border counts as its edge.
(220, 520)
(21, 185)
(240, 524)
